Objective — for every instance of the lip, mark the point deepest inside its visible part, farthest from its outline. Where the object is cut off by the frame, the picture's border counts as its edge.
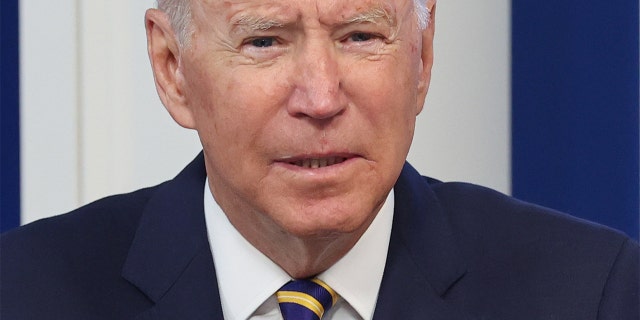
(316, 162)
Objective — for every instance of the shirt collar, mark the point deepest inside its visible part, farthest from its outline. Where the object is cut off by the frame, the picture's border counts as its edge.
(247, 278)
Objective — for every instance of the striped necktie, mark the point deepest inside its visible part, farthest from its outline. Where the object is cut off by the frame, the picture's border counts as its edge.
(306, 299)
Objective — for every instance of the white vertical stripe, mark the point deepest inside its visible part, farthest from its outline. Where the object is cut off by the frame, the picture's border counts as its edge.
(48, 108)
(106, 96)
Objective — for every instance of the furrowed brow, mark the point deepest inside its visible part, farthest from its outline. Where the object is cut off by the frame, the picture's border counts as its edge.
(255, 23)
(373, 15)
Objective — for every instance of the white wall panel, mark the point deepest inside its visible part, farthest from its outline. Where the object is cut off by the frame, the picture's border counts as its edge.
(129, 140)
(48, 108)
(463, 133)
(94, 126)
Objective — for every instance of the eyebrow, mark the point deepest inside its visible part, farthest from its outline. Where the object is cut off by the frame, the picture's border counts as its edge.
(260, 23)
(371, 16)
(255, 23)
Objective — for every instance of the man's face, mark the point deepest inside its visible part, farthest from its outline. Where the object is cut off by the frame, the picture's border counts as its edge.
(305, 109)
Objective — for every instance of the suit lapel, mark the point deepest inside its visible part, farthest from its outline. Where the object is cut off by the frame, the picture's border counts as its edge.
(170, 260)
(423, 262)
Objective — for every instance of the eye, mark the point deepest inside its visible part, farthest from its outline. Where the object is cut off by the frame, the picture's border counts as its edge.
(263, 47)
(361, 37)
(262, 42)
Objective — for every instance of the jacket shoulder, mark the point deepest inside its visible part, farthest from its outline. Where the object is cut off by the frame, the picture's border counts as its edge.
(471, 206)
(536, 254)
(117, 213)
(72, 262)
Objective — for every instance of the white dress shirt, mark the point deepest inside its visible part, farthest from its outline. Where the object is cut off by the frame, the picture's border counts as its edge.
(248, 280)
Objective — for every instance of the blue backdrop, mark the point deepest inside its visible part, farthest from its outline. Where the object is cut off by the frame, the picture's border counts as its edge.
(9, 116)
(575, 108)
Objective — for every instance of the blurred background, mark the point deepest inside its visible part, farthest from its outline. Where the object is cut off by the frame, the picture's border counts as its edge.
(535, 99)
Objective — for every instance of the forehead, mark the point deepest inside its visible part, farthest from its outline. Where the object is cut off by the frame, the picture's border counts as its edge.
(326, 11)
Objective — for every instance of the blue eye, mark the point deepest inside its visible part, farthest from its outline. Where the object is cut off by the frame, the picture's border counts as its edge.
(361, 37)
(262, 42)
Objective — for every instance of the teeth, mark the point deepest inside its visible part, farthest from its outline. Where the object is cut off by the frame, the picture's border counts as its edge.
(318, 162)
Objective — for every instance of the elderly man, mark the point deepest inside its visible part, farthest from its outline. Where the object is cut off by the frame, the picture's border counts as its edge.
(301, 203)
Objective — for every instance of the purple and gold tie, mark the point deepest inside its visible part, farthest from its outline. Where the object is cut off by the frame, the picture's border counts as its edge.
(306, 299)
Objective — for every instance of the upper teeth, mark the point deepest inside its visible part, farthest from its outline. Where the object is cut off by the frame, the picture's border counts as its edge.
(318, 162)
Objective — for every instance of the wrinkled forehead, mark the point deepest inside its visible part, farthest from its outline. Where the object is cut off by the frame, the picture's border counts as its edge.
(288, 11)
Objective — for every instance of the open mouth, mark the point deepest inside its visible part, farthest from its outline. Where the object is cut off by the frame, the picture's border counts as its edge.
(316, 163)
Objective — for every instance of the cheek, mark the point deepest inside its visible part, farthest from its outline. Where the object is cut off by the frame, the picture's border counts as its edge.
(385, 95)
(387, 89)
(222, 96)
(235, 111)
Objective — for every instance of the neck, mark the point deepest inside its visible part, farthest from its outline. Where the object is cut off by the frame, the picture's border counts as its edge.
(299, 256)
(307, 257)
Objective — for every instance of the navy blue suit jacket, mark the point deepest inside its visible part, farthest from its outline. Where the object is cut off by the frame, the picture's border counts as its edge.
(457, 251)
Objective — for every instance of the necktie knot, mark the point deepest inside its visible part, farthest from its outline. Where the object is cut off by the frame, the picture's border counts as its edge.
(306, 299)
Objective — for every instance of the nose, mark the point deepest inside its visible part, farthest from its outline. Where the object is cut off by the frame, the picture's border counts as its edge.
(318, 85)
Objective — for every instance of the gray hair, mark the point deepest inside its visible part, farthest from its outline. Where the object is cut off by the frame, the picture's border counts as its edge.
(179, 12)
(422, 13)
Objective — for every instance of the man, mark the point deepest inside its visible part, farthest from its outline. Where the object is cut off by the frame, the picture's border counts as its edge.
(306, 111)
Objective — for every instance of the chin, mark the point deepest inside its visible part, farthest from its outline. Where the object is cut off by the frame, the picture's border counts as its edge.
(330, 223)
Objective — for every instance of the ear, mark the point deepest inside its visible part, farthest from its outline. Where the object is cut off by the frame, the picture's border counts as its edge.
(164, 53)
(426, 60)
